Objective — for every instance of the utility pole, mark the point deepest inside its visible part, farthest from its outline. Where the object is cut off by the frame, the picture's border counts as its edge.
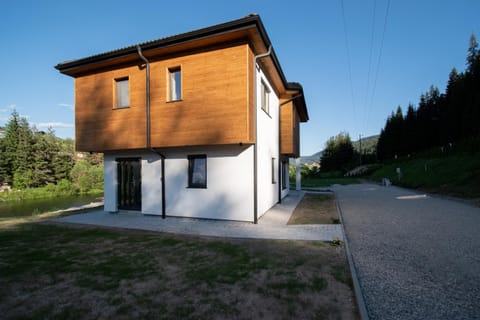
(360, 141)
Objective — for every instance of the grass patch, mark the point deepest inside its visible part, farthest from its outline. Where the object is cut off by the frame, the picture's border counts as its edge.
(456, 175)
(315, 209)
(51, 271)
(311, 182)
(341, 273)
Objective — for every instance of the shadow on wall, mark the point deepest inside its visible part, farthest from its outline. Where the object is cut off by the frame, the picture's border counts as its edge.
(229, 195)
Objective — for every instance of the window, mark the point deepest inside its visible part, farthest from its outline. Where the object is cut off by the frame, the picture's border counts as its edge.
(123, 94)
(197, 171)
(285, 176)
(273, 171)
(174, 84)
(265, 93)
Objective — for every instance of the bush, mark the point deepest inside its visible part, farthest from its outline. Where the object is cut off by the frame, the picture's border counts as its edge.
(87, 177)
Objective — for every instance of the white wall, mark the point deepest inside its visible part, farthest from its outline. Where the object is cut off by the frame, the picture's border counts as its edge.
(229, 192)
(110, 183)
(267, 147)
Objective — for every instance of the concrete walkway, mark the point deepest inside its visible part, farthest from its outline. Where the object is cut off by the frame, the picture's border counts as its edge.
(416, 256)
(272, 225)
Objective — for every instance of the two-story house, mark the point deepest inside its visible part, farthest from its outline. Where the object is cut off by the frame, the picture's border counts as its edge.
(200, 124)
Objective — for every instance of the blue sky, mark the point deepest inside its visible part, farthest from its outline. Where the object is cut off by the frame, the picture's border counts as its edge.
(422, 41)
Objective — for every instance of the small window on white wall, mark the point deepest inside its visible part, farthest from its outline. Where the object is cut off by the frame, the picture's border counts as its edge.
(265, 92)
(197, 171)
(123, 93)
(285, 176)
(274, 180)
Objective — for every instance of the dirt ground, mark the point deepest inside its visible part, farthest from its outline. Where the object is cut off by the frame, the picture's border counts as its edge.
(316, 208)
(52, 271)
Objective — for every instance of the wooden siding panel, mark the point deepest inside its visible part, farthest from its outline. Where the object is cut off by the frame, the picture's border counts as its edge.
(216, 105)
(99, 126)
(286, 129)
(289, 130)
(214, 109)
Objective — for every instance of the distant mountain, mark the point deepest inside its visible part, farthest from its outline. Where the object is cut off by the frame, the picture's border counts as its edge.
(369, 144)
(314, 157)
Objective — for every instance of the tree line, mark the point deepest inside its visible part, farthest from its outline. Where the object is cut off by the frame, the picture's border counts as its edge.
(442, 120)
(31, 158)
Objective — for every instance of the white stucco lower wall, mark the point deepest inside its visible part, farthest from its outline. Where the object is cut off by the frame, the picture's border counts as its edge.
(229, 192)
(268, 149)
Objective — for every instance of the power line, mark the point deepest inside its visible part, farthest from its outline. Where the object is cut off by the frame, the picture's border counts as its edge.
(378, 61)
(348, 60)
(372, 38)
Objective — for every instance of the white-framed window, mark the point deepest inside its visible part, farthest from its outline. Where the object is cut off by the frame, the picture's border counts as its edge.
(122, 93)
(274, 179)
(197, 171)
(174, 84)
(285, 175)
(265, 93)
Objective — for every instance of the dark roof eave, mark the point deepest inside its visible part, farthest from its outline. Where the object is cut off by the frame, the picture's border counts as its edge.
(300, 101)
(242, 23)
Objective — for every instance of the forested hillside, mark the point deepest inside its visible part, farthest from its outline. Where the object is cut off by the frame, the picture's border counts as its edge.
(449, 121)
(31, 158)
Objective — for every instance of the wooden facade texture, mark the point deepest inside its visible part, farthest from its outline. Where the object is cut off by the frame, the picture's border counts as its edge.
(217, 100)
(216, 106)
(289, 130)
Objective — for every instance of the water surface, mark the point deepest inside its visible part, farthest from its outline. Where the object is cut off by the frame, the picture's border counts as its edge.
(23, 208)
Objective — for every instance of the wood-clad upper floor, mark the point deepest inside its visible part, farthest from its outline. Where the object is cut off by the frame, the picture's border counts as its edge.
(215, 102)
(289, 130)
(214, 108)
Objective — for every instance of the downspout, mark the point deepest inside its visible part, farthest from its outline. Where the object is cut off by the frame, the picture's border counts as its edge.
(255, 147)
(148, 142)
(147, 97)
(280, 162)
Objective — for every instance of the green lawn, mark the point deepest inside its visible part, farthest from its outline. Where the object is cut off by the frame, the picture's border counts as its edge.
(54, 271)
(310, 182)
(457, 175)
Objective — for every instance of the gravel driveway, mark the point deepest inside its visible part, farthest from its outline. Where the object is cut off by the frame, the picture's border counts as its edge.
(417, 257)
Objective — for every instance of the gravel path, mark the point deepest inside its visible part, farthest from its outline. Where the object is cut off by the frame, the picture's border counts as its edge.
(417, 257)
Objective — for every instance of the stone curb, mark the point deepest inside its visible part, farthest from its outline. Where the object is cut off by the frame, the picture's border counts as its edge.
(357, 288)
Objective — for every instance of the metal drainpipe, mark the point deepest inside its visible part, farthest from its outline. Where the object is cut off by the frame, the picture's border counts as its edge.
(147, 98)
(149, 146)
(255, 169)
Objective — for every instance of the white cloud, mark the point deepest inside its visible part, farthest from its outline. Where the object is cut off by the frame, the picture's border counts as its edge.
(53, 125)
(66, 105)
(8, 108)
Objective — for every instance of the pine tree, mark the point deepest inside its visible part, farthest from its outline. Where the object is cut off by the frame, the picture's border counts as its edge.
(22, 168)
(9, 147)
(473, 55)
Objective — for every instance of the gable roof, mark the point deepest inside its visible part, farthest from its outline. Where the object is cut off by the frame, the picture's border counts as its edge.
(251, 22)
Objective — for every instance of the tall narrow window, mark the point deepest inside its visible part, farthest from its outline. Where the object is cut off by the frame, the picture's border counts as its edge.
(197, 171)
(265, 93)
(175, 84)
(285, 176)
(273, 171)
(123, 93)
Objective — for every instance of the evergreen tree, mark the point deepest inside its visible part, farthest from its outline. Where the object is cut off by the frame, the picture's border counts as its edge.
(9, 147)
(473, 55)
(22, 164)
(338, 153)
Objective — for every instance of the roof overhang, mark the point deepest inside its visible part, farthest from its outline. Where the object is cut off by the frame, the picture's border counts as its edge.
(248, 29)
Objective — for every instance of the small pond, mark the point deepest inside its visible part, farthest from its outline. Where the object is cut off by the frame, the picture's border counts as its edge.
(23, 208)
